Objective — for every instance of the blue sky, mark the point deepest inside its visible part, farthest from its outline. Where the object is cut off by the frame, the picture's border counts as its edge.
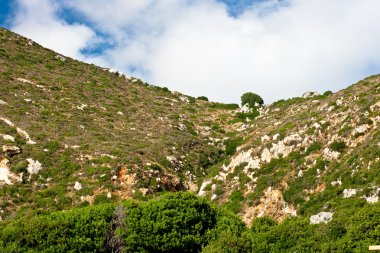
(216, 48)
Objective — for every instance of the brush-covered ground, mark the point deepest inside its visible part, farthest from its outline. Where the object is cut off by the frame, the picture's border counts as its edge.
(89, 156)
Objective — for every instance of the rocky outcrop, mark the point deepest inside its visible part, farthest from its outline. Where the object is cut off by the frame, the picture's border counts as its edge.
(271, 204)
(322, 217)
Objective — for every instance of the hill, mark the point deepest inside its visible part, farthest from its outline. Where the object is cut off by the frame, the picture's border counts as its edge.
(75, 135)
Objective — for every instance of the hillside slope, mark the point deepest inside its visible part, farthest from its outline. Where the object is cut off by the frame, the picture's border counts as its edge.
(74, 134)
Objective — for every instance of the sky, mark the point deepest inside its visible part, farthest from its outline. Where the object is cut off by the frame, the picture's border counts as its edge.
(215, 48)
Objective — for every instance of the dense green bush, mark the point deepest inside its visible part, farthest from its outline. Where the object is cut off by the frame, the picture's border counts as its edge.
(232, 144)
(204, 98)
(78, 230)
(251, 99)
(173, 223)
(338, 146)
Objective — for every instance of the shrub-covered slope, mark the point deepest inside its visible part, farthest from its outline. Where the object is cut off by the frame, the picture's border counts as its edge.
(73, 133)
(302, 173)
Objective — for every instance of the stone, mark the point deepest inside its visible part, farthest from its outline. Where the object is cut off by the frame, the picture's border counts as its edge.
(265, 138)
(292, 139)
(275, 137)
(77, 186)
(24, 81)
(330, 155)
(202, 191)
(322, 217)
(34, 166)
(280, 149)
(4, 171)
(245, 109)
(11, 150)
(8, 137)
(347, 193)
(361, 129)
(266, 156)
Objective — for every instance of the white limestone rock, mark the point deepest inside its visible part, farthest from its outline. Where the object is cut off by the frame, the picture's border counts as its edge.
(347, 193)
(24, 80)
(360, 129)
(330, 155)
(266, 156)
(202, 191)
(265, 138)
(4, 171)
(292, 139)
(77, 186)
(280, 149)
(8, 137)
(322, 217)
(245, 109)
(34, 166)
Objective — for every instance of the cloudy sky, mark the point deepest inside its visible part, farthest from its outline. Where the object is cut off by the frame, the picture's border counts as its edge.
(217, 48)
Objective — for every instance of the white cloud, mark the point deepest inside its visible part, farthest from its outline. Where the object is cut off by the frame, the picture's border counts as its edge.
(194, 46)
(37, 19)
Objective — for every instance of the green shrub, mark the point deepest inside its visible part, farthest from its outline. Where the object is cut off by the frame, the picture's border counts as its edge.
(251, 99)
(338, 146)
(77, 230)
(202, 98)
(232, 144)
(224, 106)
(172, 223)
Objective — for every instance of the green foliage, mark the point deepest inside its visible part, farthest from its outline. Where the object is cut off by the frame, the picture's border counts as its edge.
(202, 98)
(231, 144)
(224, 106)
(338, 146)
(173, 223)
(251, 99)
(78, 230)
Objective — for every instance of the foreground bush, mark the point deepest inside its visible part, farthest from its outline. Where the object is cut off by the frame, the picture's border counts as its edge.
(77, 230)
(173, 223)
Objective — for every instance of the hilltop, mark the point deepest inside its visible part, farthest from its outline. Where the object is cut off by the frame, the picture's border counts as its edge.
(75, 134)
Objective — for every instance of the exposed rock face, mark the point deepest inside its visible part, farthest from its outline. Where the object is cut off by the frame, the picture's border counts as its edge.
(330, 155)
(34, 166)
(280, 149)
(271, 204)
(292, 139)
(322, 217)
(11, 150)
(266, 156)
